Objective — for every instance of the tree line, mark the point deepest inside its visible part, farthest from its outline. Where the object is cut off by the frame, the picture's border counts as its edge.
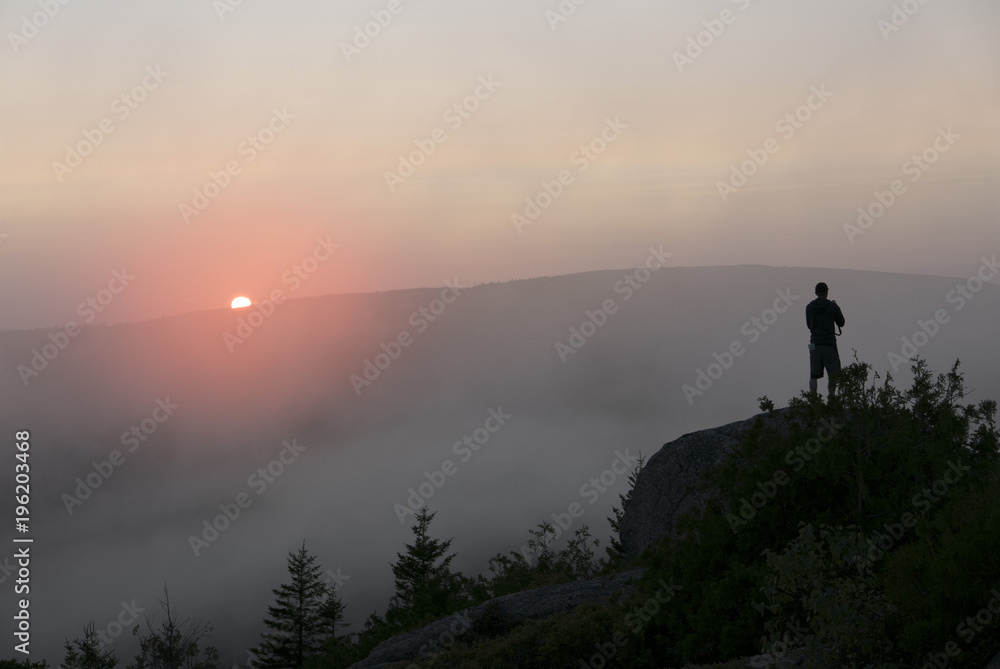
(305, 627)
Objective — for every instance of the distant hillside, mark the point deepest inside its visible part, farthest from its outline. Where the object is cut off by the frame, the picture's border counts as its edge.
(498, 349)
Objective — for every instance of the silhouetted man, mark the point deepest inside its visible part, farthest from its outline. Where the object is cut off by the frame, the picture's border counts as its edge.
(821, 317)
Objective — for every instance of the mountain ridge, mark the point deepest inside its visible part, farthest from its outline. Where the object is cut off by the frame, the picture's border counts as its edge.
(494, 346)
(359, 294)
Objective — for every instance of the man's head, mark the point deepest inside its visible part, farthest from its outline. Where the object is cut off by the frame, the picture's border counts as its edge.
(822, 290)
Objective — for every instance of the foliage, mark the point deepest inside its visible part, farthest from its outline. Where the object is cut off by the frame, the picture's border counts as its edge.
(537, 564)
(615, 550)
(305, 616)
(822, 593)
(24, 663)
(331, 614)
(951, 573)
(88, 653)
(175, 645)
(860, 462)
(426, 587)
(562, 641)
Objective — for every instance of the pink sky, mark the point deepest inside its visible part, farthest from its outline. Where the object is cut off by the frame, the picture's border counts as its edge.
(182, 90)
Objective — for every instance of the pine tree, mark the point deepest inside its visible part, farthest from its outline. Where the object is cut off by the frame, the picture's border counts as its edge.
(338, 651)
(298, 628)
(425, 584)
(23, 664)
(331, 614)
(615, 550)
(89, 652)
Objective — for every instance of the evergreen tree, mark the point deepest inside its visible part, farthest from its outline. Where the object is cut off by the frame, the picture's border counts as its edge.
(337, 651)
(425, 584)
(24, 663)
(331, 614)
(615, 550)
(88, 653)
(375, 631)
(296, 624)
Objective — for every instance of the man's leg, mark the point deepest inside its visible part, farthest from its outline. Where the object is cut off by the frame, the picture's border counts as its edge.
(833, 369)
(815, 368)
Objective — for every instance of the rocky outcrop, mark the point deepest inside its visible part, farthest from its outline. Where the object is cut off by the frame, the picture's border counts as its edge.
(509, 610)
(666, 487)
(794, 658)
(799, 658)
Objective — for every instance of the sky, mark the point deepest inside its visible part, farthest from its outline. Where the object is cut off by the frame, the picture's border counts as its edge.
(159, 158)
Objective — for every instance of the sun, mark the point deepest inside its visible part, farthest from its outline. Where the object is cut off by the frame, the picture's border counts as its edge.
(241, 302)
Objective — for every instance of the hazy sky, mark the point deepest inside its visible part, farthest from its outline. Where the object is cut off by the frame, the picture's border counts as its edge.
(181, 85)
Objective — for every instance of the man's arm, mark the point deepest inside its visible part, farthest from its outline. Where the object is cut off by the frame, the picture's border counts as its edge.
(809, 317)
(839, 315)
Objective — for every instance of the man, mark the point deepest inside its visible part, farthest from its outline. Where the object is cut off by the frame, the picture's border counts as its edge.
(821, 317)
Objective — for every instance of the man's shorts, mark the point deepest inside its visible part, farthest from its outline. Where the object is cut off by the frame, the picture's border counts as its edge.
(823, 356)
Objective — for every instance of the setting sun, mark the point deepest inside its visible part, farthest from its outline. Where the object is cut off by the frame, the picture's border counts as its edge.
(241, 302)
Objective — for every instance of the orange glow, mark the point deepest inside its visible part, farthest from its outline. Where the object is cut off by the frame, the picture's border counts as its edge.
(241, 302)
